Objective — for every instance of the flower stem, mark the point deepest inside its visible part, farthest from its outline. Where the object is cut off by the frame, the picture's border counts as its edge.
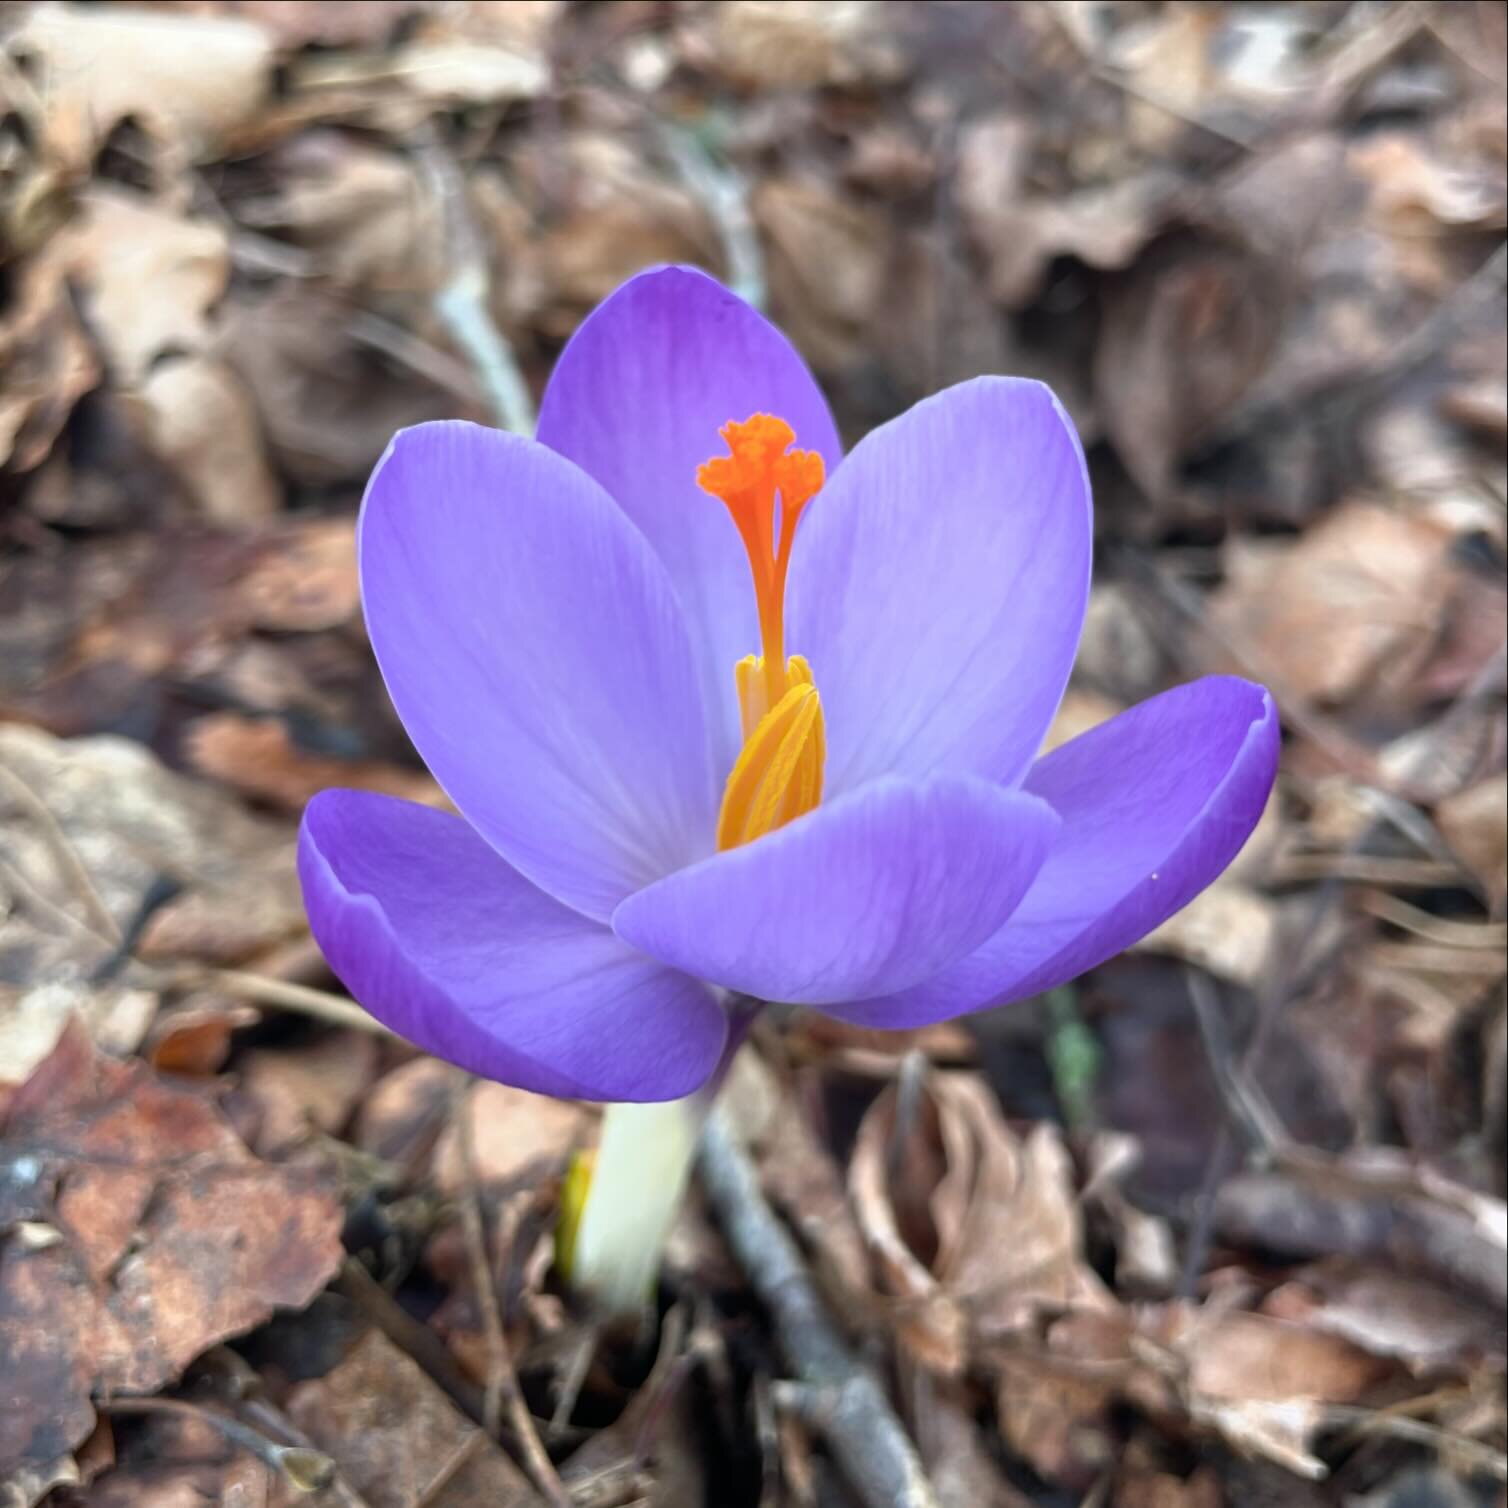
(638, 1178)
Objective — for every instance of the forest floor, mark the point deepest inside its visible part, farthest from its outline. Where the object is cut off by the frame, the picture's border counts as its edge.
(1223, 1223)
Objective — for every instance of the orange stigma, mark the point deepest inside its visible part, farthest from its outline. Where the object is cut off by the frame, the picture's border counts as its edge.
(778, 776)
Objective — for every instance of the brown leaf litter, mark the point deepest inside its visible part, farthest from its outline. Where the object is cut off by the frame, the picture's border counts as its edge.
(141, 1232)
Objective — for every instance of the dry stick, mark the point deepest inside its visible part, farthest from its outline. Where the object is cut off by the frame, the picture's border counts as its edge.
(1384, 1421)
(1338, 396)
(430, 362)
(835, 1391)
(283, 994)
(40, 901)
(461, 304)
(502, 1390)
(1106, 73)
(458, 1458)
(410, 1335)
(306, 1469)
(64, 854)
(724, 194)
(262, 1413)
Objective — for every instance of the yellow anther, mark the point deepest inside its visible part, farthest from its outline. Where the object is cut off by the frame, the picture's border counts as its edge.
(778, 776)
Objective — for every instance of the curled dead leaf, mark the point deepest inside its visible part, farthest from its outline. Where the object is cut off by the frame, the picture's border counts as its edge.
(195, 78)
(200, 420)
(46, 363)
(148, 277)
(972, 1231)
(1368, 582)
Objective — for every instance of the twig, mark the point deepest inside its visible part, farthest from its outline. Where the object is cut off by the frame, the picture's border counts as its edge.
(1244, 1100)
(64, 854)
(834, 1390)
(498, 1361)
(1366, 1421)
(573, 1379)
(458, 1458)
(461, 304)
(284, 995)
(1107, 73)
(430, 362)
(410, 1335)
(502, 1389)
(724, 194)
(162, 891)
(1274, 997)
(37, 899)
(262, 1413)
(307, 1470)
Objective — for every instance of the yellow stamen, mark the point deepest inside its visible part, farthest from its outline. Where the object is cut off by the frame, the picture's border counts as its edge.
(778, 776)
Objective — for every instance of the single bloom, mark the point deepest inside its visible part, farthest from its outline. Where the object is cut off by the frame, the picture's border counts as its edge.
(723, 710)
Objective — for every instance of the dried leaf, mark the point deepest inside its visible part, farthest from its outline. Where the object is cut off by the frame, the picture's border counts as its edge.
(1474, 822)
(200, 420)
(398, 1439)
(1228, 929)
(329, 405)
(310, 1088)
(364, 213)
(115, 1016)
(133, 824)
(796, 44)
(195, 78)
(1020, 233)
(980, 1232)
(175, 1237)
(149, 277)
(258, 757)
(808, 229)
(517, 1137)
(1187, 331)
(46, 363)
(1368, 582)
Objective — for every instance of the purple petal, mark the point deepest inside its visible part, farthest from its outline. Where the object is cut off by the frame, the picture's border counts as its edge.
(636, 400)
(440, 940)
(1155, 803)
(887, 884)
(938, 587)
(535, 651)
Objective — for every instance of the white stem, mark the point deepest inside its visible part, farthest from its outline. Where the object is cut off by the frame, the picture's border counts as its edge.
(639, 1176)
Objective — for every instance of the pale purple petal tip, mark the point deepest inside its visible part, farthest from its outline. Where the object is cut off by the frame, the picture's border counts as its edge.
(1155, 804)
(446, 944)
(938, 587)
(636, 401)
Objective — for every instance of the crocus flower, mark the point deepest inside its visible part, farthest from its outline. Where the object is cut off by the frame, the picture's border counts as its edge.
(728, 714)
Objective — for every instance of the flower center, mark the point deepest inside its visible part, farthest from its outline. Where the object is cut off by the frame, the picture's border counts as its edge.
(778, 776)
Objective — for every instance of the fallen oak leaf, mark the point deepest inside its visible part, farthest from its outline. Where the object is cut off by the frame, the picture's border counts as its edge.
(169, 1237)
